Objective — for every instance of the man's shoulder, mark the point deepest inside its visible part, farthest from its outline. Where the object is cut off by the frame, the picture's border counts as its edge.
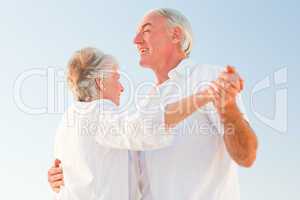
(205, 71)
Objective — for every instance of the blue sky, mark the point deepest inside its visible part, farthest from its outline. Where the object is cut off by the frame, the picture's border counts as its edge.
(258, 37)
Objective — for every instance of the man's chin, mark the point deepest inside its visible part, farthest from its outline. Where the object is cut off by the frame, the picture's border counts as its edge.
(144, 63)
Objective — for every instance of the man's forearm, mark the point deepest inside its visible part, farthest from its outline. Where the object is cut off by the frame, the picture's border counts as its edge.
(180, 110)
(240, 139)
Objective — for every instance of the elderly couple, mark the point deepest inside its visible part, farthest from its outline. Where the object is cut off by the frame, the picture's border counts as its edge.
(185, 141)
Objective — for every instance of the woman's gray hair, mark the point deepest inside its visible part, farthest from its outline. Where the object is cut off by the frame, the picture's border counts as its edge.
(175, 18)
(84, 66)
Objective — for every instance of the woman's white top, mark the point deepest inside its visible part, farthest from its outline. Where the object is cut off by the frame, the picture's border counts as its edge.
(91, 143)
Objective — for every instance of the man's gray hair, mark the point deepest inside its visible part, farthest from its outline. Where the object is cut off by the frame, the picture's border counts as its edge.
(176, 18)
(84, 66)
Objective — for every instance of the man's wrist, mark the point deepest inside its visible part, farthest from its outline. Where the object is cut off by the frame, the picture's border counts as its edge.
(231, 113)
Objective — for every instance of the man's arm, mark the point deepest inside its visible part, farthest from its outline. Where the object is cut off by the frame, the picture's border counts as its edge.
(180, 110)
(239, 137)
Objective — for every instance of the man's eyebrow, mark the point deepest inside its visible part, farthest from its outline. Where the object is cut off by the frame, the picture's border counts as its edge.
(147, 24)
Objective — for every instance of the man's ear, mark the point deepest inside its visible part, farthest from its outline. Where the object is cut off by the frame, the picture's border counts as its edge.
(99, 84)
(177, 35)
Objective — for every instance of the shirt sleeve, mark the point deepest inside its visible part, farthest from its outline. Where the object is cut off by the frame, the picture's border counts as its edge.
(141, 131)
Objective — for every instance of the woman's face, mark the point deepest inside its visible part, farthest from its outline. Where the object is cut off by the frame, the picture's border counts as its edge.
(112, 88)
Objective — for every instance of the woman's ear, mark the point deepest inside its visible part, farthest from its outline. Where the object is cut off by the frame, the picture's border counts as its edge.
(177, 35)
(99, 84)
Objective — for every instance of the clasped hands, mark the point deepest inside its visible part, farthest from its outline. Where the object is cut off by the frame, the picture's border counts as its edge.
(224, 89)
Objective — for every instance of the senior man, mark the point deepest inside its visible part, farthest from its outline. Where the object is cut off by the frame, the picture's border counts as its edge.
(201, 164)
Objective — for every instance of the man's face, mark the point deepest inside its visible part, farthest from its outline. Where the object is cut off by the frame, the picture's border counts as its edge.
(153, 40)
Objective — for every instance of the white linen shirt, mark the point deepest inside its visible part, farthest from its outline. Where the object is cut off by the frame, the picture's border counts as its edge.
(91, 143)
(197, 165)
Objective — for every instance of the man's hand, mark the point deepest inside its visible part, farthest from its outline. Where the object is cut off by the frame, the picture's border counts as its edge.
(225, 90)
(55, 176)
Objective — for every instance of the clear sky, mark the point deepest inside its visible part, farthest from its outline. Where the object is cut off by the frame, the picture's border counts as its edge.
(258, 37)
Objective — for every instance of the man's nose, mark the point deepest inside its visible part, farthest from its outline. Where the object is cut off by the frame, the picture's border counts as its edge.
(138, 38)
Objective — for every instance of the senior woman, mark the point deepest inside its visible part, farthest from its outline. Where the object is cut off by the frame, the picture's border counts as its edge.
(92, 137)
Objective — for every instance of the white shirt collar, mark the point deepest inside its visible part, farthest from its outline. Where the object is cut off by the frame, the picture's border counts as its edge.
(182, 69)
(103, 104)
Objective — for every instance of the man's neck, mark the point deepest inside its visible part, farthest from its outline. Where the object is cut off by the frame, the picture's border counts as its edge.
(161, 71)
